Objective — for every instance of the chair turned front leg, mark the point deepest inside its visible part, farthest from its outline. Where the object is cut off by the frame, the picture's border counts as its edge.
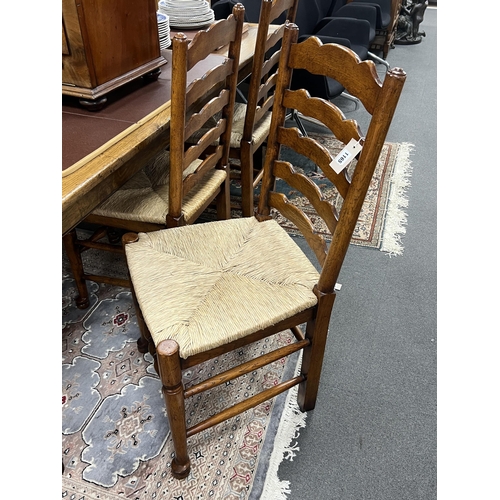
(70, 241)
(144, 342)
(171, 378)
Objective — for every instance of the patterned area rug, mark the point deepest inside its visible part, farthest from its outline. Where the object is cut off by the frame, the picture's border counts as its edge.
(115, 436)
(382, 220)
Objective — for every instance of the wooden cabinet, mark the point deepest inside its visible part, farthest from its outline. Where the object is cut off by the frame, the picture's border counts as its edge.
(105, 44)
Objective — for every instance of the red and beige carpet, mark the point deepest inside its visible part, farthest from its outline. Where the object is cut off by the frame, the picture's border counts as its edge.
(116, 442)
(383, 218)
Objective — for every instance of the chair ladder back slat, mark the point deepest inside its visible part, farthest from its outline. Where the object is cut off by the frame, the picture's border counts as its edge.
(198, 119)
(196, 150)
(274, 37)
(307, 147)
(198, 88)
(358, 78)
(280, 6)
(317, 243)
(205, 42)
(325, 111)
(310, 190)
(270, 63)
(261, 111)
(266, 89)
(205, 166)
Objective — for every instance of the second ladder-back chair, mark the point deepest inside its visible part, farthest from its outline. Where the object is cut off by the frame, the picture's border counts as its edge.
(206, 289)
(179, 184)
(252, 119)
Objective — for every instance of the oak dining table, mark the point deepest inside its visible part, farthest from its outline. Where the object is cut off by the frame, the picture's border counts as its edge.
(103, 149)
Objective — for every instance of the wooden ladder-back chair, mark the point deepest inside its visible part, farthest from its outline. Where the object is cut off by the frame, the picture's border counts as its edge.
(252, 120)
(206, 289)
(179, 184)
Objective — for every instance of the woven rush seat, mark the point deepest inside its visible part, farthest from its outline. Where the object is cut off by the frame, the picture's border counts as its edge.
(145, 196)
(239, 282)
(260, 132)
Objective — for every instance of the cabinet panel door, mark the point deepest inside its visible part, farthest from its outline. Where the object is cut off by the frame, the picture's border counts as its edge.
(75, 68)
(122, 35)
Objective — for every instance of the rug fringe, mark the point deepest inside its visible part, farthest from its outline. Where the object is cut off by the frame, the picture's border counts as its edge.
(396, 217)
(285, 446)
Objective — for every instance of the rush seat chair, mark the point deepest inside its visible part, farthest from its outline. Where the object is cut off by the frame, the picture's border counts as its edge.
(252, 118)
(206, 289)
(176, 186)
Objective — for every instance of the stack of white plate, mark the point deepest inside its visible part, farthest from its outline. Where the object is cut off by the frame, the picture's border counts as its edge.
(163, 30)
(187, 14)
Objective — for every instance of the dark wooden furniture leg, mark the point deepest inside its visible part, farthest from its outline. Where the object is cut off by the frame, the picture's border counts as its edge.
(152, 76)
(145, 342)
(94, 104)
(246, 179)
(71, 246)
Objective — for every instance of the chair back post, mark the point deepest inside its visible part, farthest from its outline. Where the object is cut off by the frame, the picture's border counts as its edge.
(255, 77)
(228, 111)
(292, 11)
(270, 10)
(180, 44)
(290, 36)
(377, 131)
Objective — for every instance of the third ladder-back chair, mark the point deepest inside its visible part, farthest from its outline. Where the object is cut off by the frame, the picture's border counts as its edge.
(206, 289)
(252, 119)
(178, 185)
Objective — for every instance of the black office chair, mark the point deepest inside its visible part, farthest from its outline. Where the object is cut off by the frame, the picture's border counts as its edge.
(371, 14)
(313, 20)
(383, 27)
(222, 9)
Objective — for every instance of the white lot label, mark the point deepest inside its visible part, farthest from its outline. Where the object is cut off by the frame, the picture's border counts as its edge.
(346, 156)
